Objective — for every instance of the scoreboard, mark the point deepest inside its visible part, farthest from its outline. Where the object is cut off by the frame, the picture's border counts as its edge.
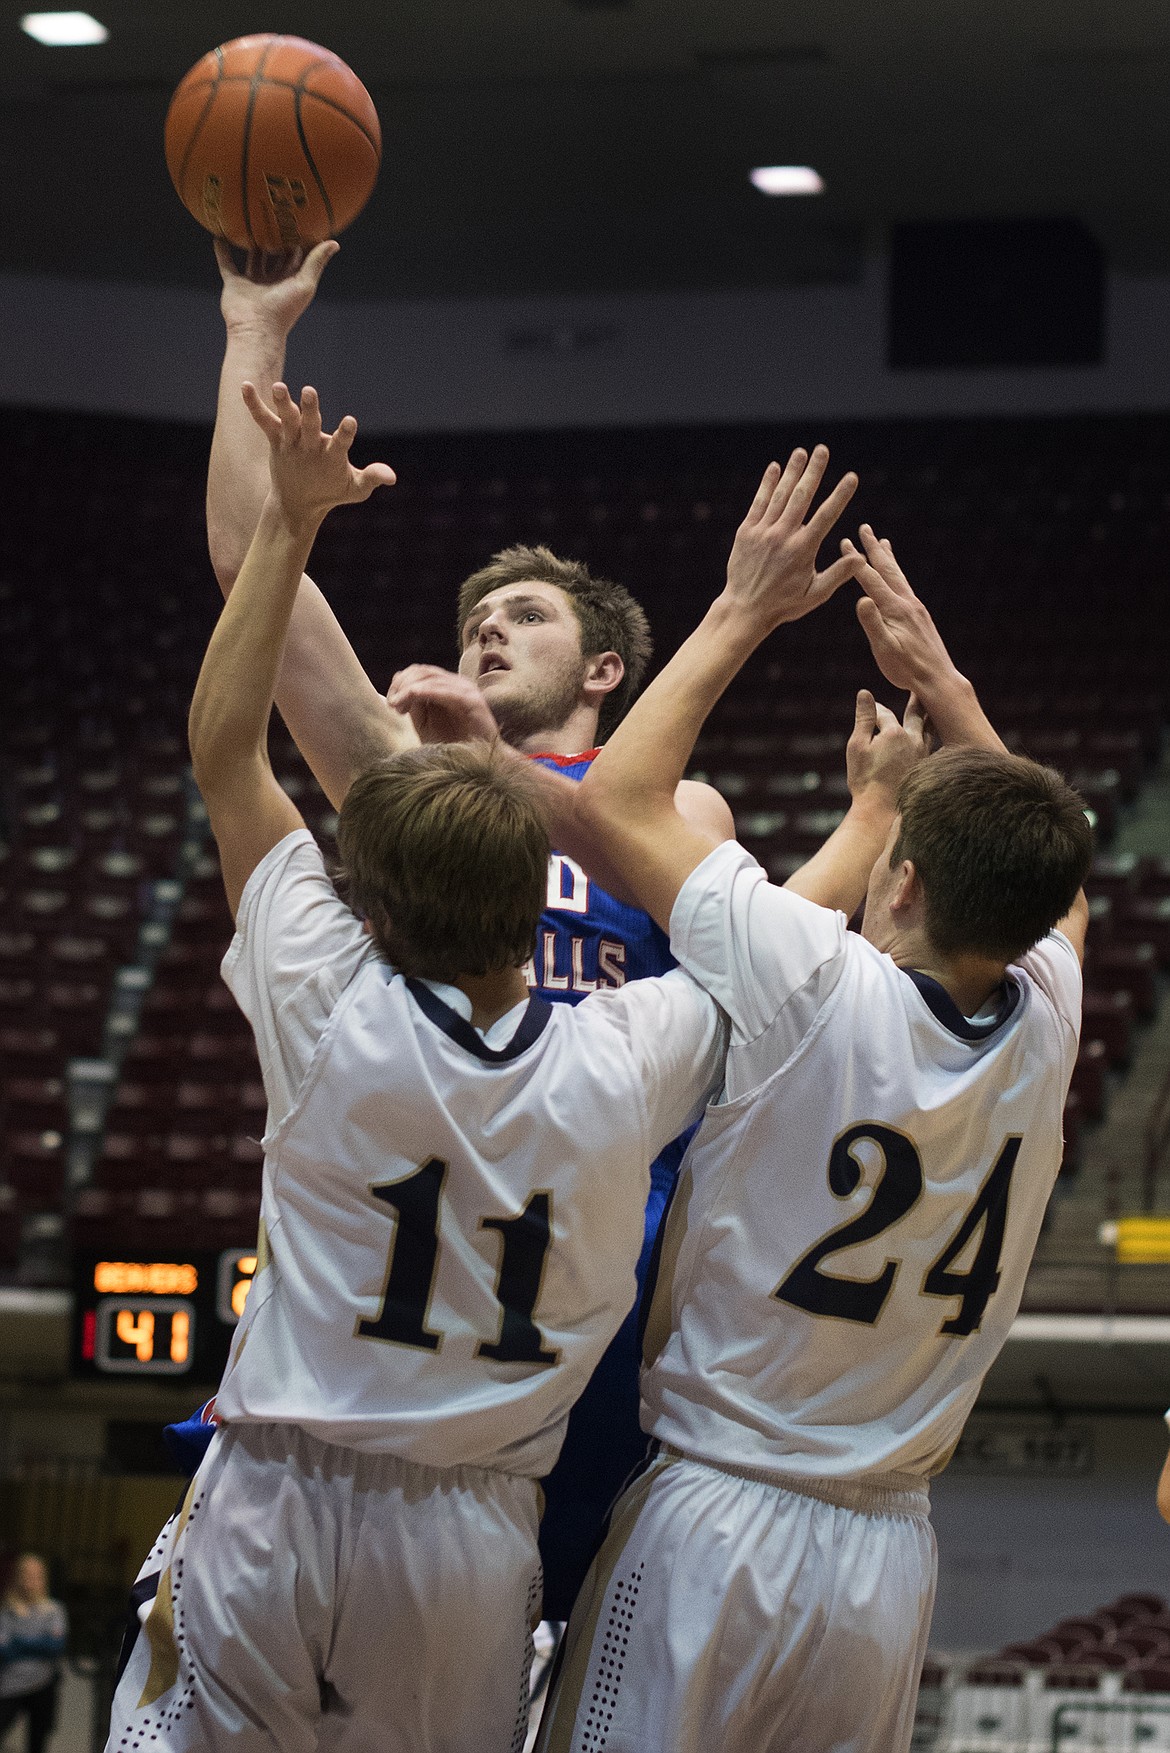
(173, 1317)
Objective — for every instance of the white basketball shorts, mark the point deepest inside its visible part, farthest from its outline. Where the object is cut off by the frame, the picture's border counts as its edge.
(316, 1597)
(727, 1613)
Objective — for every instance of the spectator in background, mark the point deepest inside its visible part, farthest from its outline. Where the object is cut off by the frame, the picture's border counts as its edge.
(33, 1634)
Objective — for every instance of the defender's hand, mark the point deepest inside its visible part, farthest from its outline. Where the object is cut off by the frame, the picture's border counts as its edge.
(772, 570)
(444, 707)
(905, 642)
(311, 470)
(271, 291)
(881, 752)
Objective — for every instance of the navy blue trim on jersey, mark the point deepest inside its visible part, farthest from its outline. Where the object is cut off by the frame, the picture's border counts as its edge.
(951, 1017)
(532, 1025)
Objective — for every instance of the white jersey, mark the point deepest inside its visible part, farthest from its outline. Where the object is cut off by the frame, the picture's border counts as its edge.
(852, 1228)
(450, 1222)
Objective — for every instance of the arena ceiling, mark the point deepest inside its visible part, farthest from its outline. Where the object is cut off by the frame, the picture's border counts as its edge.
(592, 145)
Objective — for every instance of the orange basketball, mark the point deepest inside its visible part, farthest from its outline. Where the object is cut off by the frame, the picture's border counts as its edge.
(273, 143)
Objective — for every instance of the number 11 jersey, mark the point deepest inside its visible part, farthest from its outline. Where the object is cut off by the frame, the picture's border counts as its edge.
(853, 1225)
(450, 1221)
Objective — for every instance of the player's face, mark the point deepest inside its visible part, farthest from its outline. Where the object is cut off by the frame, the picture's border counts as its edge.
(522, 647)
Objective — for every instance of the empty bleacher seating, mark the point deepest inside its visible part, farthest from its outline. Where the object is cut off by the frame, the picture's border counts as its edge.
(1038, 544)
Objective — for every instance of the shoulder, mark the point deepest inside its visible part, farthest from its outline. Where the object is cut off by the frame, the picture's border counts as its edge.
(1054, 968)
(294, 864)
(674, 992)
(732, 883)
(292, 924)
(702, 807)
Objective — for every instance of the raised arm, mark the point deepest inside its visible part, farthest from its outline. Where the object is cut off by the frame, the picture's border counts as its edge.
(627, 801)
(878, 755)
(336, 716)
(310, 472)
(911, 654)
(909, 649)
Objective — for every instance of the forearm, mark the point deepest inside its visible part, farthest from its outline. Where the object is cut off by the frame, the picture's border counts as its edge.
(837, 876)
(233, 698)
(638, 771)
(237, 473)
(334, 714)
(952, 705)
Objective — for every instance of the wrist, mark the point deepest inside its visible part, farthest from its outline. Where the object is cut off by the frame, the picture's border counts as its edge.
(290, 525)
(739, 622)
(261, 331)
(940, 683)
(873, 807)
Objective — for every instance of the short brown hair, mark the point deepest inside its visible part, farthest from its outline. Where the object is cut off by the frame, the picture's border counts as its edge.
(609, 618)
(1001, 843)
(445, 851)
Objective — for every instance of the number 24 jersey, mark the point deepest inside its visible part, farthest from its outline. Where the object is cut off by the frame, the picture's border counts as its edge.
(853, 1225)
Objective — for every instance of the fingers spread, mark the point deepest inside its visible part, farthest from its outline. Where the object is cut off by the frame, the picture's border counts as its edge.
(886, 720)
(264, 416)
(764, 492)
(782, 491)
(833, 577)
(804, 489)
(876, 586)
(227, 262)
(881, 558)
(310, 413)
(827, 514)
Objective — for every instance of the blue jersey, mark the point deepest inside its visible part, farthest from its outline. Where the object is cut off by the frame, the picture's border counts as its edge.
(588, 940)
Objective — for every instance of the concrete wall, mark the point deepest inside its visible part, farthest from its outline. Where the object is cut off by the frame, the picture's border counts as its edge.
(493, 364)
(1016, 1555)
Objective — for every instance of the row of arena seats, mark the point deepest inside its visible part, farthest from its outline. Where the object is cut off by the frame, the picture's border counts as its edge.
(189, 1100)
(1038, 544)
(1096, 1682)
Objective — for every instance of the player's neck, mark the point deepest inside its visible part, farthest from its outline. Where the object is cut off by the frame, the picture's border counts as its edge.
(969, 979)
(575, 736)
(493, 995)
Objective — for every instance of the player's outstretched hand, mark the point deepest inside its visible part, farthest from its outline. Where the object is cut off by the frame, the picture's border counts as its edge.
(772, 572)
(270, 291)
(905, 642)
(311, 470)
(444, 706)
(881, 751)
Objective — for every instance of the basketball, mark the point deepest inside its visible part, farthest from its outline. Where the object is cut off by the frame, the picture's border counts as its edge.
(273, 143)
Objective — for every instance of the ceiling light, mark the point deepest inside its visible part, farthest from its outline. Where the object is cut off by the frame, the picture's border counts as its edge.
(787, 179)
(62, 30)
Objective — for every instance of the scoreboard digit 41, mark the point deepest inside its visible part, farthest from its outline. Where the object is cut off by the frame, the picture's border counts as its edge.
(158, 1317)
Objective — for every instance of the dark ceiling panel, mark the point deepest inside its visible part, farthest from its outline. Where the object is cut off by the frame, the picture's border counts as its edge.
(538, 145)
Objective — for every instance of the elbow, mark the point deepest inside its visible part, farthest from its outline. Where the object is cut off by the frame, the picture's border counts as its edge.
(197, 746)
(227, 556)
(591, 811)
(599, 804)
